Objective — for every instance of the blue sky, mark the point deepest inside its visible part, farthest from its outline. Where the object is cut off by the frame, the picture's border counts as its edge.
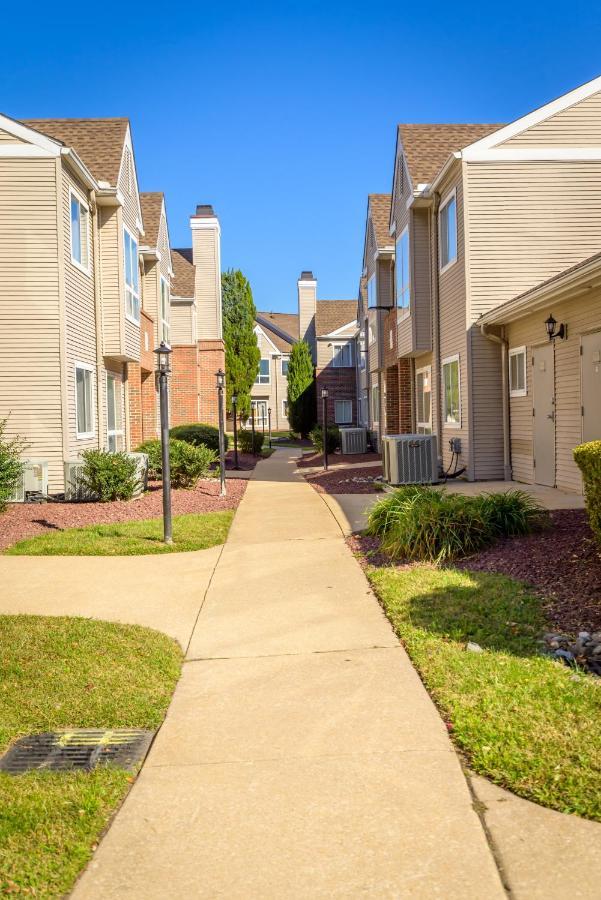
(283, 114)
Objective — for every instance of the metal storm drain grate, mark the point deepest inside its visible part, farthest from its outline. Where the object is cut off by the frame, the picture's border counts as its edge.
(81, 748)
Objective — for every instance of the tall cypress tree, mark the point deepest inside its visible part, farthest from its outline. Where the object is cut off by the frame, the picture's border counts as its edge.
(242, 353)
(301, 389)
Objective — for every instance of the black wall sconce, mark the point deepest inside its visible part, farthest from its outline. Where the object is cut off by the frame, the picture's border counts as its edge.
(552, 332)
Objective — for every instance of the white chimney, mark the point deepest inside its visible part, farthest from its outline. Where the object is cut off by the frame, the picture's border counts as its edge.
(307, 307)
(206, 256)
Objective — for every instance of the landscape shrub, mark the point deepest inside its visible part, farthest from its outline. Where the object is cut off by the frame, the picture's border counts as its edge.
(332, 438)
(199, 433)
(109, 476)
(422, 523)
(588, 460)
(11, 466)
(188, 463)
(245, 441)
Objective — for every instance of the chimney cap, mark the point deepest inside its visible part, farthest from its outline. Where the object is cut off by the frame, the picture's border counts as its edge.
(204, 210)
(307, 276)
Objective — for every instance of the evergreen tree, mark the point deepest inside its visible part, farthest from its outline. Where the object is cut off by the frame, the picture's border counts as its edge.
(242, 353)
(301, 389)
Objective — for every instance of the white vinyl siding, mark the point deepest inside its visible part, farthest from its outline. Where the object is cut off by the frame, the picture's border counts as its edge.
(164, 311)
(114, 416)
(423, 404)
(448, 231)
(343, 412)
(80, 232)
(84, 400)
(451, 392)
(342, 355)
(132, 277)
(263, 375)
(517, 372)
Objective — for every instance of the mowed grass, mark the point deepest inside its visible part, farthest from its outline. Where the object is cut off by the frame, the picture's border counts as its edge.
(60, 673)
(190, 532)
(522, 720)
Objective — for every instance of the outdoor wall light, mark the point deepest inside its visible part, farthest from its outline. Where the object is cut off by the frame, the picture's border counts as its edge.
(163, 351)
(561, 332)
(324, 393)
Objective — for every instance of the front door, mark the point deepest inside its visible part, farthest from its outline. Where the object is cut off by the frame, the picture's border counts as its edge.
(591, 386)
(543, 409)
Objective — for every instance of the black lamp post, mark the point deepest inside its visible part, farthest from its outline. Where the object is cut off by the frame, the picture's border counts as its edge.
(163, 369)
(235, 412)
(324, 408)
(269, 420)
(550, 324)
(220, 376)
(252, 425)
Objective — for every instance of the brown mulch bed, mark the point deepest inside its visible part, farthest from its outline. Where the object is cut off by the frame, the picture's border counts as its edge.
(345, 481)
(562, 563)
(24, 520)
(316, 459)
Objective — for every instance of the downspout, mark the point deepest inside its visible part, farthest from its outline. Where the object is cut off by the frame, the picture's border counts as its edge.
(507, 472)
(99, 320)
(436, 323)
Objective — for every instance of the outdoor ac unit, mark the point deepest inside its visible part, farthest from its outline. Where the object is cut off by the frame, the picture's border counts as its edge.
(74, 487)
(34, 480)
(142, 471)
(353, 440)
(410, 459)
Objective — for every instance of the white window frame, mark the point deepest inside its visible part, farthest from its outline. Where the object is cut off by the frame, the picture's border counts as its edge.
(259, 376)
(452, 195)
(338, 351)
(129, 289)
(284, 359)
(373, 282)
(518, 392)
(114, 432)
(427, 424)
(285, 411)
(406, 284)
(448, 361)
(258, 421)
(374, 387)
(86, 269)
(85, 435)
(348, 421)
(165, 323)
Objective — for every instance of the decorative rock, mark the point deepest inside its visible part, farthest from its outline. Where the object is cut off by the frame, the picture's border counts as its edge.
(473, 647)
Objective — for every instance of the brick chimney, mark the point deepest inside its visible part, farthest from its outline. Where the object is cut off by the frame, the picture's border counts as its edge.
(307, 306)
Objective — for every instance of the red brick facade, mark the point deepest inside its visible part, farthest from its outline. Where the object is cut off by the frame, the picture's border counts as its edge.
(193, 392)
(211, 359)
(141, 390)
(341, 384)
(399, 413)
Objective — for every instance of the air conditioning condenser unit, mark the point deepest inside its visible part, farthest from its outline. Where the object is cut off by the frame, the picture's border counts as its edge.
(353, 440)
(410, 459)
(34, 480)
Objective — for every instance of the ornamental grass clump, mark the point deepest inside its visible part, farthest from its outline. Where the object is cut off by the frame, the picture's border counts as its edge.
(588, 460)
(512, 513)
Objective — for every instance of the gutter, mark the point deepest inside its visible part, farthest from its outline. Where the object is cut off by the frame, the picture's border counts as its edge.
(507, 472)
(436, 322)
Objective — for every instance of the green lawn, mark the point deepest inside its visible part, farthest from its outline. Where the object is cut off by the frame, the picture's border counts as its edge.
(522, 720)
(190, 532)
(62, 673)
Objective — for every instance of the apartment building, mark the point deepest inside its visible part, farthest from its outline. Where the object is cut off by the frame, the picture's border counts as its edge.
(84, 289)
(276, 334)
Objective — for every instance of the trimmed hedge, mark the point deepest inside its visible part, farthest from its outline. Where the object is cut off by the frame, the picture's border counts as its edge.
(245, 441)
(588, 460)
(198, 433)
(333, 438)
(109, 476)
(188, 464)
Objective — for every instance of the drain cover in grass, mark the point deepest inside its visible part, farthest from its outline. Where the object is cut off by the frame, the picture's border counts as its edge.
(80, 748)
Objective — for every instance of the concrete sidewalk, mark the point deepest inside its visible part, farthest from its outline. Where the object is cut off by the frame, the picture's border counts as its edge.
(301, 756)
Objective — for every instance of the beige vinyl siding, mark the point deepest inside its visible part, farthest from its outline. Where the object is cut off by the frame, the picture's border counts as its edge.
(131, 217)
(527, 222)
(207, 282)
(582, 314)
(307, 300)
(401, 217)
(6, 138)
(150, 283)
(577, 126)
(113, 301)
(486, 398)
(374, 354)
(385, 282)
(421, 314)
(183, 329)
(369, 262)
(325, 348)
(30, 358)
(277, 390)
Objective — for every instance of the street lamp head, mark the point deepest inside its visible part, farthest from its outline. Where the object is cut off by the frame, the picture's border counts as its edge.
(234, 399)
(324, 393)
(220, 376)
(163, 352)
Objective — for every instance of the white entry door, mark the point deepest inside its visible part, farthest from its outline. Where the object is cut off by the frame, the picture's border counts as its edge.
(543, 409)
(591, 386)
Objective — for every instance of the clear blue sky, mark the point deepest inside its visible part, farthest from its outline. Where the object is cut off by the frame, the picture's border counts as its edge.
(283, 114)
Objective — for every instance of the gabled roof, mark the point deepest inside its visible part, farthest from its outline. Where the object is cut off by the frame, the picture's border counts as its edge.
(282, 328)
(182, 283)
(379, 208)
(152, 206)
(334, 314)
(98, 142)
(427, 147)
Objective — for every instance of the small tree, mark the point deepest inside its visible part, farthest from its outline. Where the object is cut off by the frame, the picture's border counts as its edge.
(301, 389)
(242, 353)
(11, 466)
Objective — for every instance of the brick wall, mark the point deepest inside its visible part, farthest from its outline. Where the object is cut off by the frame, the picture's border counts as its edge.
(392, 399)
(134, 397)
(184, 385)
(389, 324)
(149, 397)
(211, 359)
(341, 384)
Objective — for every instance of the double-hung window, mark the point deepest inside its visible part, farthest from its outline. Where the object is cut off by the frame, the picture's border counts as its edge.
(84, 400)
(372, 293)
(264, 372)
(517, 372)
(285, 408)
(342, 355)
(114, 413)
(132, 277)
(80, 233)
(448, 231)
(164, 310)
(343, 412)
(403, 271)
(285, 361)
(423, 400)
(451, 394)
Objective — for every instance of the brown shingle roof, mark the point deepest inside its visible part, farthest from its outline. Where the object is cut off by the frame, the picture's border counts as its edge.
(286, 325)
(333, 314)
(151, 204)
(182, 284)
(427, 147)
(379, 205)
(98, 142)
